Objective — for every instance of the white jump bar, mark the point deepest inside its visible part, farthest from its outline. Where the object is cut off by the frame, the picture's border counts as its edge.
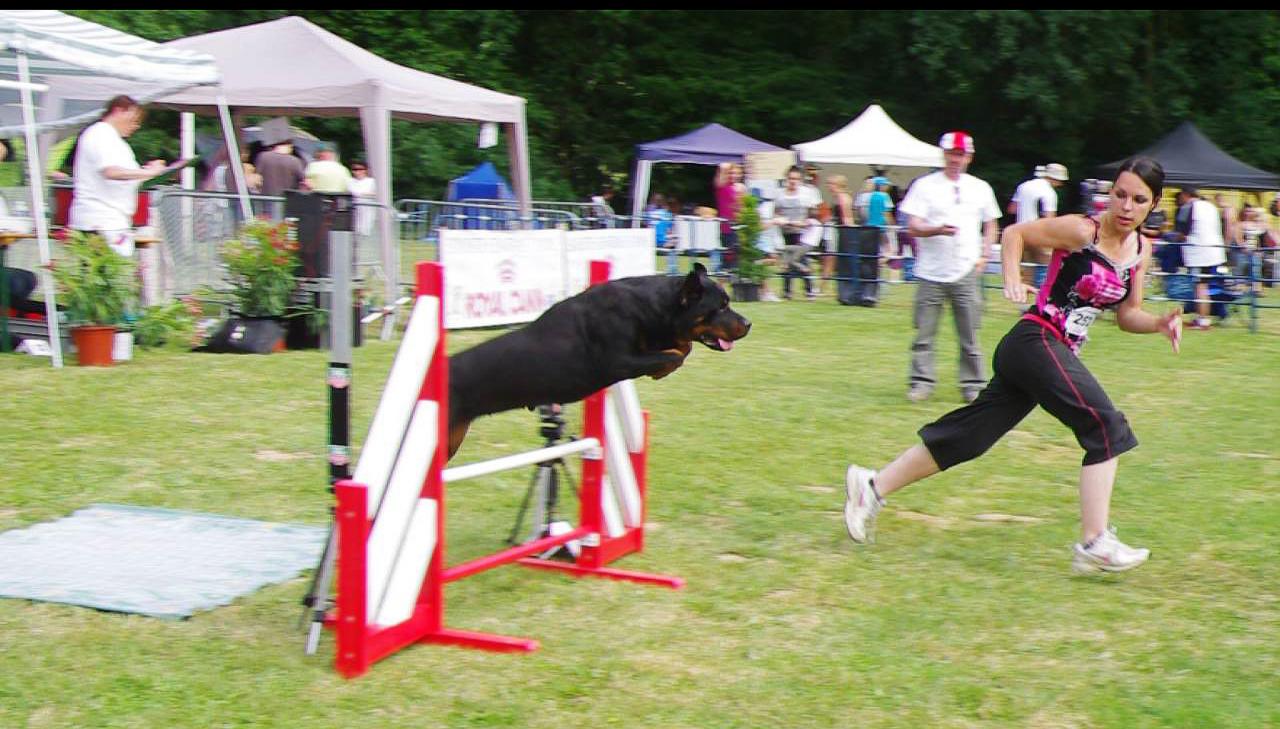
(506, 463)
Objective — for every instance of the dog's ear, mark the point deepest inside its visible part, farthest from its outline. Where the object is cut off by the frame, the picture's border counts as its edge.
(691, 289)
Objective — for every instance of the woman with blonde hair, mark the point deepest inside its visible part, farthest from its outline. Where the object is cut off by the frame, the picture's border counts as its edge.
(842, 218)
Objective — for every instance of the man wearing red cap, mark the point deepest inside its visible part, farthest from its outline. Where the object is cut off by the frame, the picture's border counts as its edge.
(952, 216)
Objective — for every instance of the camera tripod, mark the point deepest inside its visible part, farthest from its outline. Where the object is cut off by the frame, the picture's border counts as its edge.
(543, 494)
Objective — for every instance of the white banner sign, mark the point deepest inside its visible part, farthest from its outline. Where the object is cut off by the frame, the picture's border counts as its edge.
(499, 277)
(629, 251)
(495, 277)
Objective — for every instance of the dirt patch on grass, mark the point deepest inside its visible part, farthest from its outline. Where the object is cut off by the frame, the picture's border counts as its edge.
(278, 456)
(1008, 519)
(941, 522)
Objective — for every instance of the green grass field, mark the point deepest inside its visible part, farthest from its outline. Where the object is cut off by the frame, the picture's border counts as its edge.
(954, 618)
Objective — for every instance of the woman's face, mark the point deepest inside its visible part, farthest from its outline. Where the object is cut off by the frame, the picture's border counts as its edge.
(1131, 200)
(735, 173)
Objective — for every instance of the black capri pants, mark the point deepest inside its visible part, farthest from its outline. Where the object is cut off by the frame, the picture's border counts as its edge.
(1032, 367)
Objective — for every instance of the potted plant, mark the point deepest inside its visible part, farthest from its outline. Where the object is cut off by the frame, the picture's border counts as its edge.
(97, 287)
(750, 272)
(172, 324)
(261, 263)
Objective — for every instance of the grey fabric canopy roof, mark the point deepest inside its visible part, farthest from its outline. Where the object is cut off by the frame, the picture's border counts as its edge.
(293, 67)
(1190, 158)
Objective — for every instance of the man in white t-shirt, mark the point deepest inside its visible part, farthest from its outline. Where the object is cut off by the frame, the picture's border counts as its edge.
(106, 175)
(1203, 249)
(952, 216)
(1037, 198)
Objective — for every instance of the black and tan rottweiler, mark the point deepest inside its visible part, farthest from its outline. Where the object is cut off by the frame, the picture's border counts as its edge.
(618, 330)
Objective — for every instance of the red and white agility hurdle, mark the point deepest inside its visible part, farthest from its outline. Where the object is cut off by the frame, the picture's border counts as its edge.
(391, 514)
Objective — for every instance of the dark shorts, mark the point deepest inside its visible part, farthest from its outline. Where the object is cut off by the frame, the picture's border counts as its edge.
(1032, 367)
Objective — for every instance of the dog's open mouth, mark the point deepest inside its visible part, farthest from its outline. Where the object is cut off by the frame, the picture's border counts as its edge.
(717, 343)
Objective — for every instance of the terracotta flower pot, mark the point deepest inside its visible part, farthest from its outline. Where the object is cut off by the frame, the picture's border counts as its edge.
(94, 345)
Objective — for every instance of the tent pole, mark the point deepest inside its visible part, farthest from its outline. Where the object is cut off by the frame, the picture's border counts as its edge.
(233, 156)
(37, 207)
(375, 124)
(640, 190)
(518, 148)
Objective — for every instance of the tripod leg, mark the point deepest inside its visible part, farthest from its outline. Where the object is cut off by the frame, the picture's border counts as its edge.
(317, 599)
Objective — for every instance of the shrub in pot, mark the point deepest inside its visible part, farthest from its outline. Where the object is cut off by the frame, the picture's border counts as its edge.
(97, 287)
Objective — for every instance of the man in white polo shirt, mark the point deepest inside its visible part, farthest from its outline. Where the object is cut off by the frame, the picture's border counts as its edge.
(952, 216)
(107, 176)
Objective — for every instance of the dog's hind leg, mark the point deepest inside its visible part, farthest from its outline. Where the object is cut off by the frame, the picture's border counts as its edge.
(457, 432)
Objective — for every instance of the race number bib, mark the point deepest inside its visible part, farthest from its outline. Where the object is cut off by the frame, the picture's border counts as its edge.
(1078, 321)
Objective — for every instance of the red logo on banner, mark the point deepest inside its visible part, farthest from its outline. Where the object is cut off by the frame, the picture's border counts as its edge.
(506, 271)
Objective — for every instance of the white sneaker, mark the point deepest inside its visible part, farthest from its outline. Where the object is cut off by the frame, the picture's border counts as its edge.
(1107, 554)
(860, 503)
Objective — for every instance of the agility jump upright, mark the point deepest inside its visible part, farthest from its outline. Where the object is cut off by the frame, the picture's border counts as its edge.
(391, 513)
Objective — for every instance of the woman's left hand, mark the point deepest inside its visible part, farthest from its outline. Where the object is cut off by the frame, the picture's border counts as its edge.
(1171, 327)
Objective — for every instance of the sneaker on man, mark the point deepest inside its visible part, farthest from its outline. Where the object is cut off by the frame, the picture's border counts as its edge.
(1106, 554)
(970, 394)
(918, 393)
(860, 503)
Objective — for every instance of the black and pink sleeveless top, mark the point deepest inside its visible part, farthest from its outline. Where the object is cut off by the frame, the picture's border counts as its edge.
(1079, 286)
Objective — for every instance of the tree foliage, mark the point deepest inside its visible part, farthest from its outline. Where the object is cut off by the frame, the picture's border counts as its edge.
(1077, 87)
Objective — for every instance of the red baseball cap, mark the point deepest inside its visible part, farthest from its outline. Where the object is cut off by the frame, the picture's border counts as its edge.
(957, 141)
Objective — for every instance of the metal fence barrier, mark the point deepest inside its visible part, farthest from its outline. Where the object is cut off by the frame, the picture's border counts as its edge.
(194, 225)
(585, 215)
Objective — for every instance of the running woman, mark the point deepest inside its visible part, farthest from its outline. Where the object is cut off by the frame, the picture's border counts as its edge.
(1096, 265)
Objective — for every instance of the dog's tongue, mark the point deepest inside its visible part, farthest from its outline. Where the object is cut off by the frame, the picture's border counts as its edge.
(726, 345)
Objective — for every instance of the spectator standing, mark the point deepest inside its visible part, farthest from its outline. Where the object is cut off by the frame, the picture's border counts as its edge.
(952, 216)
(1034, 199)
(106, 175)
(603, 207)
(1203, 251)
(872, 239)
(365, 190)
(325, 173)
(659, 217)
(843, 231)
(729, 191)
(280, 169)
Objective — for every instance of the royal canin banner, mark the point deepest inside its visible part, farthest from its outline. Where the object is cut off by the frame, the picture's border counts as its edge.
(495, 277)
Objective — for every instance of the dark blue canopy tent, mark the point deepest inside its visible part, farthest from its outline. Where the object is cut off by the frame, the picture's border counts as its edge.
(710, 145)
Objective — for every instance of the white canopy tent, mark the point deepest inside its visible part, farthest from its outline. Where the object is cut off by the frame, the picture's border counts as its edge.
(872, 141)
(44, 51)
(294, 67)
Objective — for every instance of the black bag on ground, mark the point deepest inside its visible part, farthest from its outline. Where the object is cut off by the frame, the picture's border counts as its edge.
(245, 336)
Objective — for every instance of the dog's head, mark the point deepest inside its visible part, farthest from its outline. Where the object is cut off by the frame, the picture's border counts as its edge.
(705, 315)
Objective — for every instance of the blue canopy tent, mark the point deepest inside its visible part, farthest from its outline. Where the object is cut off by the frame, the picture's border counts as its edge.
(710, 145)
(482, 183)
